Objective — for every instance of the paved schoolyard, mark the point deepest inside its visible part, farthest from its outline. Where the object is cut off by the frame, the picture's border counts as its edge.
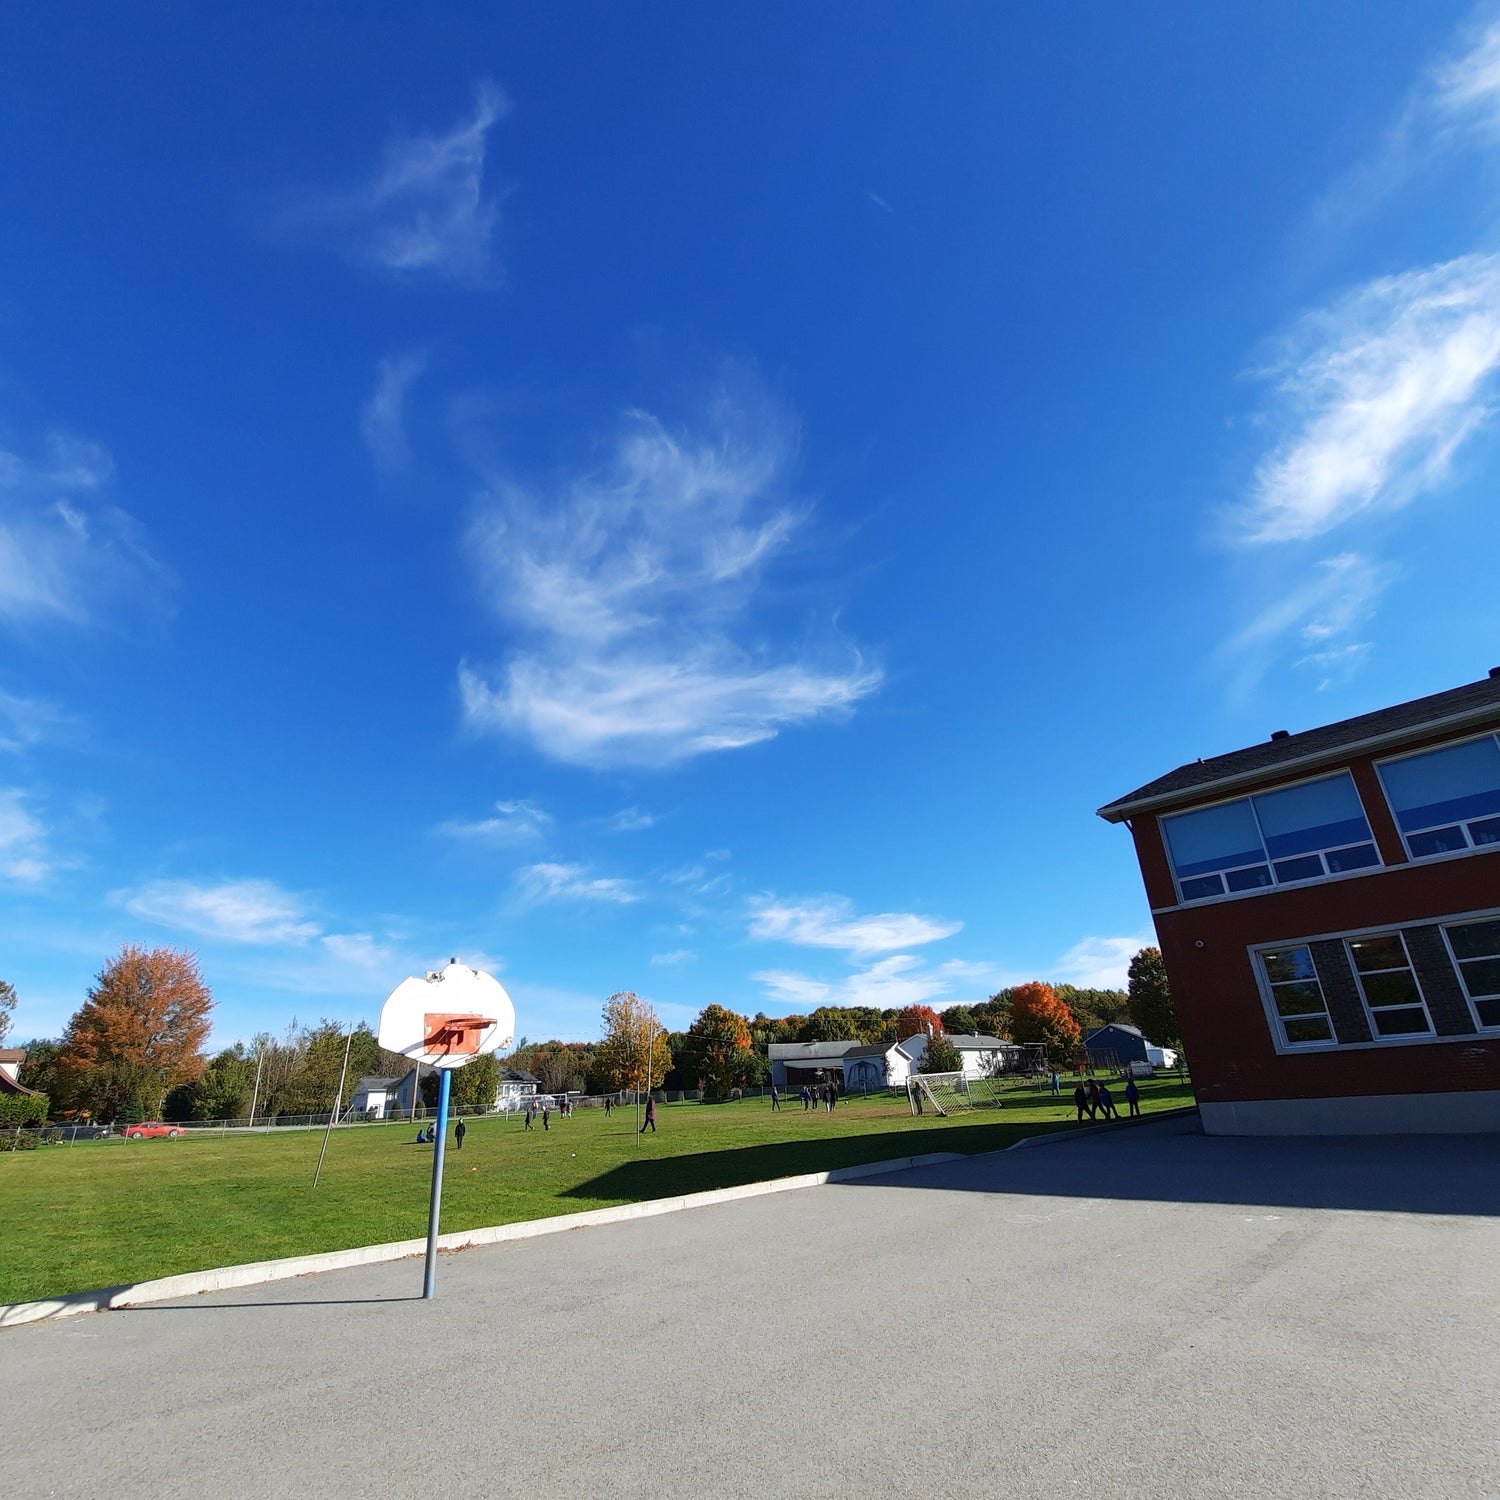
(1135, 1314)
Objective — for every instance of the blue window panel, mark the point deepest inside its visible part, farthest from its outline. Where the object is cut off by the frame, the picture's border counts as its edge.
(1306, 868)
(1439, 841)
(1205, 885)
(1361, 857)
(1248, 880)
(1286, 965)
(1444, 786)
(1317, 815)
(1485, 833)
(1216, 838)
(1488, 1012)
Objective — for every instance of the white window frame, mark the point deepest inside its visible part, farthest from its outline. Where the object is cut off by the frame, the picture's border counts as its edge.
(1458, 969)
(1462, 823)
(1411, 968)
(1268, 998)
(1270, 864)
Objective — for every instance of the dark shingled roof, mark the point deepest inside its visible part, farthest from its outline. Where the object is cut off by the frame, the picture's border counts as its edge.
(1475, 700)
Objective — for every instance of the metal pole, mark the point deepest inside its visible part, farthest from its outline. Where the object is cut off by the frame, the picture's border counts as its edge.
(333, 1114)
(255, 1095)
(434, 1212)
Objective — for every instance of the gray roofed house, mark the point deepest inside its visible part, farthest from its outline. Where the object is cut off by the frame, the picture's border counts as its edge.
(1312, 747)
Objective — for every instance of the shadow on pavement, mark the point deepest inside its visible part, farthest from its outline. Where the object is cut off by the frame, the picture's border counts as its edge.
(1173, 1161)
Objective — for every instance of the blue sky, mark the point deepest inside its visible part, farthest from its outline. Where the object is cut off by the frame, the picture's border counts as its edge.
(708, 500)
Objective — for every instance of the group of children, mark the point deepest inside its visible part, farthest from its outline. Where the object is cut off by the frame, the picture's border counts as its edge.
(1095, 1098)
(544, 1109)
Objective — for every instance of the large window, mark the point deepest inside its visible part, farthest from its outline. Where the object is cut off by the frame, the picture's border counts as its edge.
(1296, 995)
(1305, 832)
(1476, 951)
(1446, 800)
(1393, 998)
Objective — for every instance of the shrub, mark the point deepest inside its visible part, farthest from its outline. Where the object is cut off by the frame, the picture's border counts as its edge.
(23, 1109)
(19, 1140)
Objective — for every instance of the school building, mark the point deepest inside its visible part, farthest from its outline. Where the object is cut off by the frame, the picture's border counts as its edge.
(1328, 906)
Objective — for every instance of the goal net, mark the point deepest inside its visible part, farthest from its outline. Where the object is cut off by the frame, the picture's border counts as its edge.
(939, 1093)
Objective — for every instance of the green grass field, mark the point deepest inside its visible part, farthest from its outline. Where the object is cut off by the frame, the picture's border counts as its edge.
(101, 1213)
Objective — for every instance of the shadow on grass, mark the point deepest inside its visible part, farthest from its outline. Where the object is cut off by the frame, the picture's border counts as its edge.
(669, 1176)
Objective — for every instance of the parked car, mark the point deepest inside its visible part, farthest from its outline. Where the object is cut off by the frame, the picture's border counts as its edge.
(146, 1131)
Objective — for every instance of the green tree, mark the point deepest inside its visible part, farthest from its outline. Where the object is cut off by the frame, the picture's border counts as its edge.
(634, 1051)
(1151, 1007)
(39, 1071)
(992, 1016)
(941, 1056)
(1094, 1008)
(7, 1008)
(720, 1048)
(225, 1090)
(476, 1085)
(958, 1020)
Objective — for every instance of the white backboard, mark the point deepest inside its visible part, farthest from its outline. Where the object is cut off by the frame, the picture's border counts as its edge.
(447, 1018)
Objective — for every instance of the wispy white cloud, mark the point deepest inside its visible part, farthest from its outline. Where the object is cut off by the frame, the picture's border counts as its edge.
(1377, 393)
(672, 959)
(25, 722)
(629, 820)
(64, 554)
(382, 421)
(237, 911)
(831, 922)
(880, 202)
(897, 981)
(23, 840)
(634, 586)
(553, 882)
(510, 823)
(425, 213)
(698, 881)
(1100, 963)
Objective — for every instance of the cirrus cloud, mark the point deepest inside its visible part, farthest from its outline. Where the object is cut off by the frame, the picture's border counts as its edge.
(831, 922)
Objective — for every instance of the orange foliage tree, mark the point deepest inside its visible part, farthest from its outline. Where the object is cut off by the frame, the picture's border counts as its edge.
(140, 1032)
(1039, 1014)
(914, 1021)
(720, 1048)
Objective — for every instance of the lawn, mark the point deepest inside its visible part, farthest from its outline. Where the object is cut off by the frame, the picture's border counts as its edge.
(101, 1213)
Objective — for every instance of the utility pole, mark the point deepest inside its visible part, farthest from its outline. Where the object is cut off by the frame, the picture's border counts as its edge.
(338, 1095)
(255, 1096)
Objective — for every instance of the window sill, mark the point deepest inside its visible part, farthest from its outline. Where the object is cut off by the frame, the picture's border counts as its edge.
(1322, 1049)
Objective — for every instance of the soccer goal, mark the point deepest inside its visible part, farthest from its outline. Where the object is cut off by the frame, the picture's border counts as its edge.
(939, 1093)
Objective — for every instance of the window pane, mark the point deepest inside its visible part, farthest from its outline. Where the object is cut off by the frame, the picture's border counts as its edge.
(1384, 951)
(1298, 999)
(1306, 868)
(1488, 1012)
(1399, 987)
(1401, 1023)
(1443, 841)
(1360, 857)
(1247, 880)
(1307, 1031)
(1315, 816)
(1476, 939)
(1218, 838)
(1481, 976)
(1205, 885)
(1487, 832)
(1444, 786)
(1282, 964)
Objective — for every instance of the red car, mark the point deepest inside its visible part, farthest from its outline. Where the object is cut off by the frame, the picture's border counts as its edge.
(143, 1132)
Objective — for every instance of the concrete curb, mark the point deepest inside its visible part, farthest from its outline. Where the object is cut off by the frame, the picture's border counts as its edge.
(223, 1278)
(1056, 1137)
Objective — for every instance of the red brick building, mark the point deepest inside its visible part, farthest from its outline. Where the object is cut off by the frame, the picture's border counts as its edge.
(1328, 905)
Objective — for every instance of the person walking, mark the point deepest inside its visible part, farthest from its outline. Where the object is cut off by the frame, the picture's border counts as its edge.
(1056, 1082)
(1107, 1103)
(609, 1106)
(530, 1116)
(775, 1097)
(1081, 1102)
(650, 1123)
(1093, 1098)
(546, 1117)
(1133, 1097)
(458, 1136)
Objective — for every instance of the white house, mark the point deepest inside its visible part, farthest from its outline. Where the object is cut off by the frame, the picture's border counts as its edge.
(374, 1095)
(878, 1065)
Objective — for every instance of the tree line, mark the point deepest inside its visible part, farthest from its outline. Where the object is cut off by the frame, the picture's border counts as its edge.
(135, 1048)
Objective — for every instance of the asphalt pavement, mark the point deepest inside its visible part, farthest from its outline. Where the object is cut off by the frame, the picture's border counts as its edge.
(1149, 1313)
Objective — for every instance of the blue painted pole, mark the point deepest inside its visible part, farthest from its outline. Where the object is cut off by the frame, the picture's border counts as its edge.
(434, 1213)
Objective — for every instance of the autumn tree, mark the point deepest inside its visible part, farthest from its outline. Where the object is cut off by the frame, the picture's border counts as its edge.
(941, 1056)
(1038, 1014)
(1151, 1007)
(992, 1016)
(634, 1051)
(915, 1020)
(7, 1007)
(720, 1048)
(139, 1033)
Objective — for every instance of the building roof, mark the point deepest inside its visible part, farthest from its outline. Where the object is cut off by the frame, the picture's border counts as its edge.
(1457, 706)
(518, 1075)
(13, 1054)
(366, 1084)
(977, 1042)
(812, 1052)
(1113, 1026)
